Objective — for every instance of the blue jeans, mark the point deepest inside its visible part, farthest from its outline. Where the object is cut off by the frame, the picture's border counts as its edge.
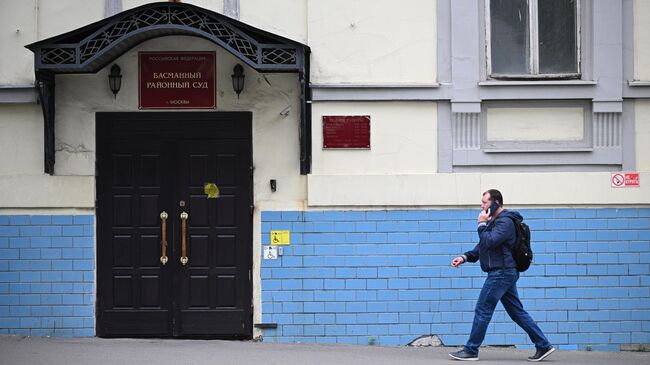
(501, 285)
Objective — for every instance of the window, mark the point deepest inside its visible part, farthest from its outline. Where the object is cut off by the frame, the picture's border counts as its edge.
(530, 39)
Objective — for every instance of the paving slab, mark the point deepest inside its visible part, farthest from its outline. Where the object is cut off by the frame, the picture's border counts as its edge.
(99, 351)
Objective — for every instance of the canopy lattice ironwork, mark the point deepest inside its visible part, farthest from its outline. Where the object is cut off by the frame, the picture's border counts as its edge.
(92, 47)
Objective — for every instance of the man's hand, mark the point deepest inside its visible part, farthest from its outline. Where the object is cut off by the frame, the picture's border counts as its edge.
(484, 216)
(457, 261)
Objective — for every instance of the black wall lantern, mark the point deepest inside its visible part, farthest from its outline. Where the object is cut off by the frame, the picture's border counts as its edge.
(238, 79)
(115, 79)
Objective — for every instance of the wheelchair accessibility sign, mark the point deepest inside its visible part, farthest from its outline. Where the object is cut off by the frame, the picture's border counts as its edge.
(270, 253)
(280, 238)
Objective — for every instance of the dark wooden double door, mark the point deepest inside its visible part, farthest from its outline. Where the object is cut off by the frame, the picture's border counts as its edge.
(150, 163)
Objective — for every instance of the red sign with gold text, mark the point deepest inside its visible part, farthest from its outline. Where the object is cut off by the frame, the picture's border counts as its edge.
(176, 80)
(346, 131)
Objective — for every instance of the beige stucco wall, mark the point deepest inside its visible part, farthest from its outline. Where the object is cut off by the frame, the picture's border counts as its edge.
(349, 181)
(372, 41)
(641, 40)
(17, 28)
(287, 18)
(28, 21)
(453, 190)
(60, 16)
(336, 30)
(79, 97)
(403, 139)
(535, 124)
(21, 139)
(363, 42)
(642, 135)
(45, 194)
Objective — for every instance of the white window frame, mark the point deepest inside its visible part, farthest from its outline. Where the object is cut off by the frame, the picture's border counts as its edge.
(534, 46)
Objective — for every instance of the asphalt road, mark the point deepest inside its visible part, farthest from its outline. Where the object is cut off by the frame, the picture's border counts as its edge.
(97, 351)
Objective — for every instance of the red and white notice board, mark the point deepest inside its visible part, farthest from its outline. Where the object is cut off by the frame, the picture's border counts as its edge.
(625, 180)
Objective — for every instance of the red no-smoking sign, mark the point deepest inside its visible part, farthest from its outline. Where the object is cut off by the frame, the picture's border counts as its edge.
(625, 180)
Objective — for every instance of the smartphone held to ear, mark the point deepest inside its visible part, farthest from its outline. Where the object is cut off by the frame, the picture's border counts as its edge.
(493, 208)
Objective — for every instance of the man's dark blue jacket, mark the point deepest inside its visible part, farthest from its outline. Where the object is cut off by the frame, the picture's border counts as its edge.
(497, 239)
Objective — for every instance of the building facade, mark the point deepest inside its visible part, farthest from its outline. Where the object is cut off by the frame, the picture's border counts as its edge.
(366, 129)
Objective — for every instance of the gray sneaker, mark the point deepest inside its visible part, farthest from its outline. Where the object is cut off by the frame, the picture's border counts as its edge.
(541, 354)
(463, 355)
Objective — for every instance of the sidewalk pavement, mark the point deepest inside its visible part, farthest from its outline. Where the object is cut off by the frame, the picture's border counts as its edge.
(98, 351)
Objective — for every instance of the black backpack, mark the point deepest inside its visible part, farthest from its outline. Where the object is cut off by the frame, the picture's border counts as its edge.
(522, 252)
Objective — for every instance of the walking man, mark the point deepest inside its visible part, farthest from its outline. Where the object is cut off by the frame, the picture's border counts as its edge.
(497, 236)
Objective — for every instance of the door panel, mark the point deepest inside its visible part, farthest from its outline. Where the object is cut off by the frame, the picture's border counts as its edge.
(148, 163)
(129, 241)
(210, 288)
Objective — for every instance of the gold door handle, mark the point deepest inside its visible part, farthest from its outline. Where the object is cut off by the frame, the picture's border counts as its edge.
(184, 258)
(163, 219)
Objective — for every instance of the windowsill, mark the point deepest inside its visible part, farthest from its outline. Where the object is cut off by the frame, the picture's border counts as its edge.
(434, 85)
(638, 83)
(537, 150)
(538, 83)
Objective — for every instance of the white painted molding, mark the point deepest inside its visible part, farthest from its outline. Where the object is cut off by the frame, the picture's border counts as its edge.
(465, 106)
(607, 106)
(464, 189)
(538, 83)
(638, 83)
(18, 95)
(45, 191)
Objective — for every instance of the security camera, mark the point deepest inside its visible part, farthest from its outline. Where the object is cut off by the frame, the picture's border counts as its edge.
(285, 111)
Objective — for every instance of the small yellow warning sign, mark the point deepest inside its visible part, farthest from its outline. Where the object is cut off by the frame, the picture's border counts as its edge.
(280, 238)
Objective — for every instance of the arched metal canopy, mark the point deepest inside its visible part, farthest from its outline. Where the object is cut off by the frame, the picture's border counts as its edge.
(92, 47)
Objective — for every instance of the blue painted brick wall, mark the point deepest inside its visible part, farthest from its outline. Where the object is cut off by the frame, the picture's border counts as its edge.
(47, 275)
(384, 276)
